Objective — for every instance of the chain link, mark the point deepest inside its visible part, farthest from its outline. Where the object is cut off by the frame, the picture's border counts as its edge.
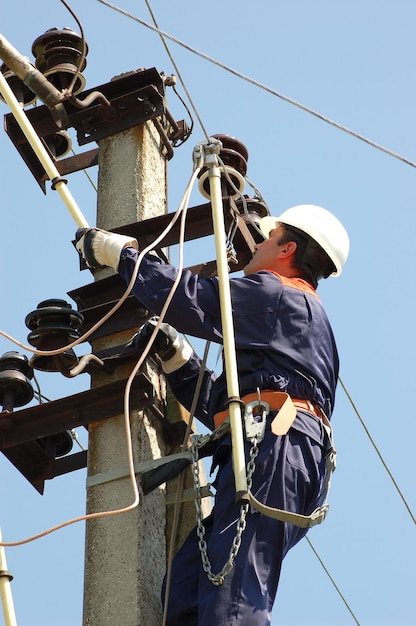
(218, 579)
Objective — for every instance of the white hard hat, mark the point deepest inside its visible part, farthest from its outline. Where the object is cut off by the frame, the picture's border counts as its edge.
(320, 225)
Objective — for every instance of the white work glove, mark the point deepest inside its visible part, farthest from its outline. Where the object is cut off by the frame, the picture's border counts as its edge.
(100, 248)
(172, 349)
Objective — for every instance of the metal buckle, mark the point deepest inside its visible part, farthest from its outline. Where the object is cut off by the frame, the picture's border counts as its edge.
(255, 414)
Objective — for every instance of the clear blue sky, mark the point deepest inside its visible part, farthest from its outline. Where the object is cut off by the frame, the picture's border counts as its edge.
(353, 62)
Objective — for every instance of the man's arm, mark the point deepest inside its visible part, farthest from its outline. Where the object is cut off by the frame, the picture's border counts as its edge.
(195, 306)
(181, 365)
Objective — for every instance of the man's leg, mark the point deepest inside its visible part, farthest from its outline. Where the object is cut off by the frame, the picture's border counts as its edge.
(289, 473)
(183, 593)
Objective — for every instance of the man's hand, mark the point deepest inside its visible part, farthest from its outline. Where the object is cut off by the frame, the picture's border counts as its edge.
(172, 349)
(101, 248)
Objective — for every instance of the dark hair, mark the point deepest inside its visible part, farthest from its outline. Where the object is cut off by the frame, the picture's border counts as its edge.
(310, 259)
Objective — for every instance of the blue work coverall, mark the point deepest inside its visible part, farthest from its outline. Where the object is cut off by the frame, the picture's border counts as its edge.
(283, 342)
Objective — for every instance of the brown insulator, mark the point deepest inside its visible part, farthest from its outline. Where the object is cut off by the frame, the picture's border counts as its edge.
(23, 94)
(59, 143)
(54, 325)
(56, 445)
(234, 155)
(15, 376)
(59, 56)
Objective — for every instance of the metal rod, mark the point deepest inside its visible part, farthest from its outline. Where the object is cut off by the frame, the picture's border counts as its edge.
(237, 438)
(29, 75)
(58, 182)
(5, 590)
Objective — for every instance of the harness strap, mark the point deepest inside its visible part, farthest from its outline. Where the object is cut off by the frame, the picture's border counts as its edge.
(303, 521)
(320, 513)
(278, 401)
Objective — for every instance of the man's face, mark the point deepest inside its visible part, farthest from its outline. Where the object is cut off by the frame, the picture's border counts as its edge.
(265, 255)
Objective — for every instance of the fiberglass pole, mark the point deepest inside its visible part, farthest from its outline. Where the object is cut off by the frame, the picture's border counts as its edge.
(5, 590)
(234, 402)
(41, 153)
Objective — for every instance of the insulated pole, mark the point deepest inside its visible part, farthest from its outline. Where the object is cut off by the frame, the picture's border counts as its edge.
(234, 402)
(5, 590)
(49, 166)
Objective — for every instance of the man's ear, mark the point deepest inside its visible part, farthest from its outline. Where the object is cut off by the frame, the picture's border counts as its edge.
(289, 249)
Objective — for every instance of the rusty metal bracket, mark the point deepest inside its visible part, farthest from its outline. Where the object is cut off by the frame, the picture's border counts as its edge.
(21, 430)
(134, 99)
(199, 224)
(93, 405)
(96, 299)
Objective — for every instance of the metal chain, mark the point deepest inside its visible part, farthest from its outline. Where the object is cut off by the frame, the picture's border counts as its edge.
(218, 579)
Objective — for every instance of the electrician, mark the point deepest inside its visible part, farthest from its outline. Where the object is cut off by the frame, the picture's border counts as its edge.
(284, 343)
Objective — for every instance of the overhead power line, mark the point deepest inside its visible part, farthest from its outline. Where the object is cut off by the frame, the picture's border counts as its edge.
(261, 85)
(172, 60)
(332, 580)
(378, 452)
(312, 112)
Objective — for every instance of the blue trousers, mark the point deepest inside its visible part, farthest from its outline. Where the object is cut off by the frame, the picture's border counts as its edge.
(289, 475)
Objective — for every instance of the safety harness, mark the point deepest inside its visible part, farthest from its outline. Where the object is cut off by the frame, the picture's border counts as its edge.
(255, 424)
(255, 414)
(257, 407)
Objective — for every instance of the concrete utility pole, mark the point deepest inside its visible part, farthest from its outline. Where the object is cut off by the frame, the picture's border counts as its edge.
(126, 554)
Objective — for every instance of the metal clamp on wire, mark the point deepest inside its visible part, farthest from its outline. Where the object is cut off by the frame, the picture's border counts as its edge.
(205, 154)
